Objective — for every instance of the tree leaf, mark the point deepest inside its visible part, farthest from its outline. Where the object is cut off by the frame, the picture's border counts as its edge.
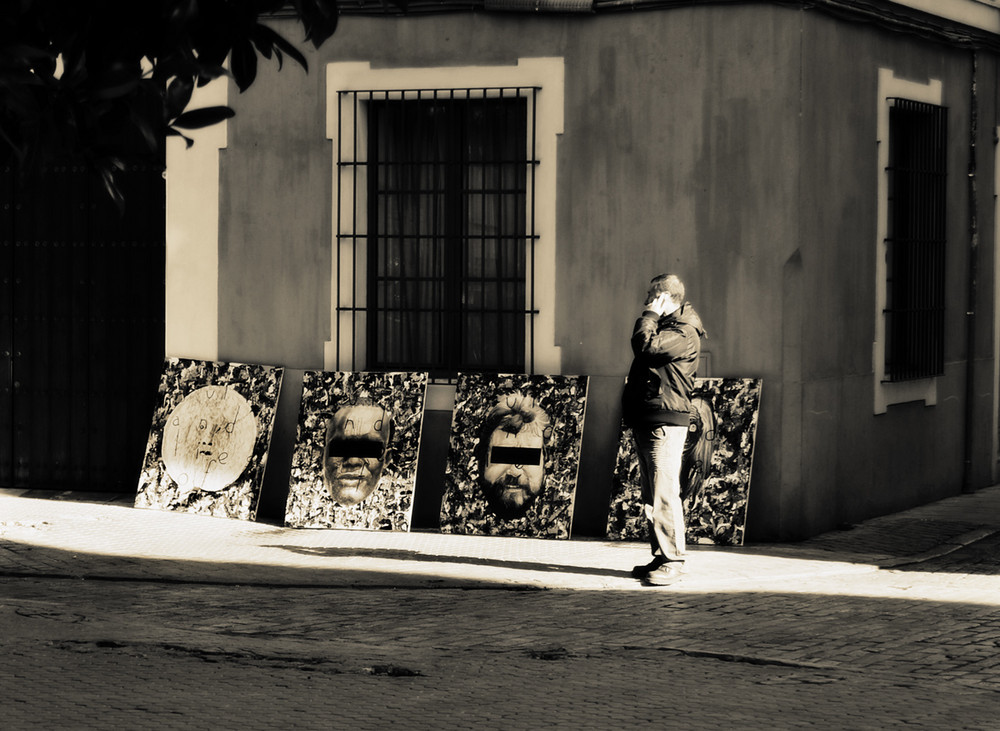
(243, 64)
(208, 73)
(179, 92)
(119, 81)
(108, 170)
(171, 132)
(264, 37)
(204, 117)
(319, 19)
(142, 123)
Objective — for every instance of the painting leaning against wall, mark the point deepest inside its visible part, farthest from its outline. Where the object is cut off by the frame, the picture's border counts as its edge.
(514, 455)
(209, 438)
(355, 458)
(715, 471)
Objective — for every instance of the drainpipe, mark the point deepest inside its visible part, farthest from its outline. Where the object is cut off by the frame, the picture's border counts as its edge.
(970, 314)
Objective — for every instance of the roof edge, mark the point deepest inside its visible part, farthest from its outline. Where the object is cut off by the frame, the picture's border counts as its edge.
(902, 16)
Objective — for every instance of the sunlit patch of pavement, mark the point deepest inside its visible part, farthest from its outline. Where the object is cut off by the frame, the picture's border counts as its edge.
(88, 540)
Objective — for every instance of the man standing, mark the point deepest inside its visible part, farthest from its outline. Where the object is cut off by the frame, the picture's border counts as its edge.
(666, 345)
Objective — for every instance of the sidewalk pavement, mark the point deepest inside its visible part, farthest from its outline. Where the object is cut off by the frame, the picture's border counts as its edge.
(103, 537)
(892, 623)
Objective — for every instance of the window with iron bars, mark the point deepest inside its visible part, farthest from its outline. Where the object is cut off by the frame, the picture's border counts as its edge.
(441, 223)
(915, 245)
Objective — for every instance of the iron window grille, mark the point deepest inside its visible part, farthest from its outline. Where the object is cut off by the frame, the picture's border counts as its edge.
(435, 221)
(915, 245)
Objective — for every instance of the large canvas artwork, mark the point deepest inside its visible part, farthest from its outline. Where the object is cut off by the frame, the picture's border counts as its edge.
(209, 438)
(715, 473)
(355, 458)
(514, 455)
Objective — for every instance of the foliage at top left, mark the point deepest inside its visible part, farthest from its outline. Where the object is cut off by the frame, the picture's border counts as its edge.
(101, 80)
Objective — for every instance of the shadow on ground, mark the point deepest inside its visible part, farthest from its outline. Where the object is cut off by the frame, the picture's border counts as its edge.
(887, 542)
(395, 554)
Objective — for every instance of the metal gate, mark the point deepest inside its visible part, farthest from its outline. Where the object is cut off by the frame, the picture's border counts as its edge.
(81, 326)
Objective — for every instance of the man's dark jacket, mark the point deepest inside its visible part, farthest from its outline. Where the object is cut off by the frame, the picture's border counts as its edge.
(665, 354)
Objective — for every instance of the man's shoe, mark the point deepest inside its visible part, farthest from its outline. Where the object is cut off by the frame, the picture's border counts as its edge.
(667, 574)
(640, 572)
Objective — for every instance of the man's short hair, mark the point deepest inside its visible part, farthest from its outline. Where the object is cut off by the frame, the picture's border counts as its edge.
(670, 284)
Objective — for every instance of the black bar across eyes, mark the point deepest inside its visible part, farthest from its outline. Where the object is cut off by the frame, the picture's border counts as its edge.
(361, 448)
(516, 455)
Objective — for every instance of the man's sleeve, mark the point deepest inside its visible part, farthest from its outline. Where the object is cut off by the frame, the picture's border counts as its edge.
(656, 347)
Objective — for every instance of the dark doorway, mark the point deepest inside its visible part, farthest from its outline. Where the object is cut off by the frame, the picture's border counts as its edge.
(81, 325)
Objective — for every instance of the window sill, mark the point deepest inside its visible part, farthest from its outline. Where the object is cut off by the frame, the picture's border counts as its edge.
(889, 393)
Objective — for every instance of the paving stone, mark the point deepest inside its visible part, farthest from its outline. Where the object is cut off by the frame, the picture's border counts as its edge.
(114, 617)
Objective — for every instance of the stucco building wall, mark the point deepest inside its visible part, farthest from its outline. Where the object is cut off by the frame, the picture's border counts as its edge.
(735, 145)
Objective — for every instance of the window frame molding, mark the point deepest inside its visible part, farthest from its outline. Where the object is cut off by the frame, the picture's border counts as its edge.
(193, 176)
(547, 73)
(925, 389)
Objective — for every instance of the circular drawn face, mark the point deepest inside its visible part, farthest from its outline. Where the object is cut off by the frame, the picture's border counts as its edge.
(208, 439)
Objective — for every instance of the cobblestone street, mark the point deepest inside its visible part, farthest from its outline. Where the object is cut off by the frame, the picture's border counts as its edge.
(812, 635)
(126, 655)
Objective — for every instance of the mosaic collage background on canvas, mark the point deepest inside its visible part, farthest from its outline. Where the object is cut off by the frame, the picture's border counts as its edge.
(513, 459)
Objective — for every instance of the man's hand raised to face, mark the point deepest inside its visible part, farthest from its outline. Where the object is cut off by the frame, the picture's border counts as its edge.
(662, 304)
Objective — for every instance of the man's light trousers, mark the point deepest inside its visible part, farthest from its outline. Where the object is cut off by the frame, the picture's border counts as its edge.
(660, 452)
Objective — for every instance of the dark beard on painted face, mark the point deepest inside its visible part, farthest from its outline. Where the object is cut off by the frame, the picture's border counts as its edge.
(510, 497)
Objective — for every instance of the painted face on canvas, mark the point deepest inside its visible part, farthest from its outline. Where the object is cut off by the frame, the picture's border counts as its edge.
(208, 439)
(512, 468)
(354, 456)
